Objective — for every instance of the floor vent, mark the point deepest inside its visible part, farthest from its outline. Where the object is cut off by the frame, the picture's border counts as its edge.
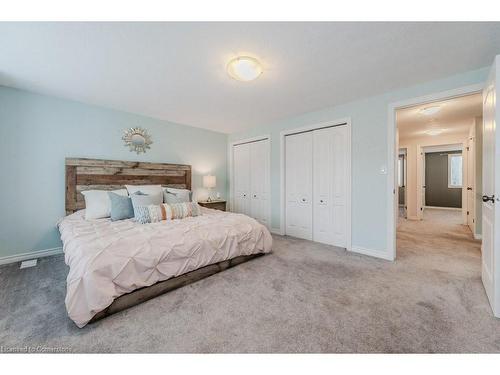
(28, 263)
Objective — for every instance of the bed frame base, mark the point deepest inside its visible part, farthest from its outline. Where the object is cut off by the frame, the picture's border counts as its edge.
(143, 294)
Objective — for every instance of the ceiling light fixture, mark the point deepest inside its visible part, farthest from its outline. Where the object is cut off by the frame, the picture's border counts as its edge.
(429, 111)
(433, 131)
(244, 68)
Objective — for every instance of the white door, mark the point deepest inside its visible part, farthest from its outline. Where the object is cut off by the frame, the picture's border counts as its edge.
(470, 183)
(259, 181)
(323, 176)
(340, 185)
(298, 185)
(491, 181)
(241, 173)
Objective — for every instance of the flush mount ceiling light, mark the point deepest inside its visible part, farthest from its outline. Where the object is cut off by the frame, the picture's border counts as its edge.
(433, 131)
(244, 68)
(429, 111)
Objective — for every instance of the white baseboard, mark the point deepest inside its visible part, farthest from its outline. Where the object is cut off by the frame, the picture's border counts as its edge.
(31, 255)
(276, 231)
(372, 252)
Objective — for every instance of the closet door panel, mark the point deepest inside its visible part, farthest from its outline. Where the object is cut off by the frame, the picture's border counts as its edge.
(298, 185)
(323, 160)
(259, 177)
(340, 184)
(241, 172)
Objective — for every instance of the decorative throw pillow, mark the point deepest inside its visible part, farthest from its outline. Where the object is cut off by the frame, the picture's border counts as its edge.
(121, 207)
(154, 191)
(156, 213)
(171, 195)
(141, 199)
(98, 204)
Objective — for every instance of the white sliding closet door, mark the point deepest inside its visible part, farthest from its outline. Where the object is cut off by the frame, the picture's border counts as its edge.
(323, 171)
(340, 185)
(241, 172)
(298, 185)
(329, 185)
(259, 181)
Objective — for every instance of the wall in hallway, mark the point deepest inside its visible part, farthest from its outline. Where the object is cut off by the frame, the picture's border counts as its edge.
(478, 130)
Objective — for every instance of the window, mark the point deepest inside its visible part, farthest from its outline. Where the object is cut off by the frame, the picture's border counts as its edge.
(401, 171)
(454, 170)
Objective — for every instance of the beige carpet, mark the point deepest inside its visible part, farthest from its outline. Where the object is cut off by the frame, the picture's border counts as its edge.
(305, 297)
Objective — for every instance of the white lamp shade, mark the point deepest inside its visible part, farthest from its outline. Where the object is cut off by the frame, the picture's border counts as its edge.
(209, 181)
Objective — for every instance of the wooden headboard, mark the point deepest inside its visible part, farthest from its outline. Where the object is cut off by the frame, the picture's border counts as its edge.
(88, 174)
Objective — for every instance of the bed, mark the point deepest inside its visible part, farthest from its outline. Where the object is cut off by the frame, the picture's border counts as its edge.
(116, 265)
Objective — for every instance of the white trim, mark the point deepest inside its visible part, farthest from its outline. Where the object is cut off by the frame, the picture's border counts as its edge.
(444, 208)
(30, 255)
(478, 236)
(443, 148)
(391, 152)
(339, 122)
(231, 174)
(276, 231)
(379, 254)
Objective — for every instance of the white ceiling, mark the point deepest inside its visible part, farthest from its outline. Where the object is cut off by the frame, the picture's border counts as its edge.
(176, 71)
(454, 117)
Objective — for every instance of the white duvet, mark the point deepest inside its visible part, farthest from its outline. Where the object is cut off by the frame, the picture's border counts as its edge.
(108, 259)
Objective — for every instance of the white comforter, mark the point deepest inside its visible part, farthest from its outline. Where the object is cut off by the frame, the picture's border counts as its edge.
(108, 259)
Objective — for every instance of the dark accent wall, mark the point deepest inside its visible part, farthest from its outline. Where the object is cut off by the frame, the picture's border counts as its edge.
(401, 195)
(437, 192)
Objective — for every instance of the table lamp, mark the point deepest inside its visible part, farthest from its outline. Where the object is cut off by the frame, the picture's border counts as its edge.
(209, 182)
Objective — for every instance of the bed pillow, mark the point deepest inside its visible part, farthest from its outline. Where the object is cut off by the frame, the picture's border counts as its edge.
(156, 213)
(171, 195)
(141, 199)
(121, 207)
(154, 191)
(98, 204)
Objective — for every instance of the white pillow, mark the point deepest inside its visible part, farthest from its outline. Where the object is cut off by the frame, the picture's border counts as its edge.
(98, 204)
(155, 191)
(172, 195)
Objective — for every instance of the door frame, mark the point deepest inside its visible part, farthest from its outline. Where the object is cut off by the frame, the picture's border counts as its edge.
(231, 172)
(392, 152)
(346, 121)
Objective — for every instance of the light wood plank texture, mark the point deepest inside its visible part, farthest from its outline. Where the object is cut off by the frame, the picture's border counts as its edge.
(98, 174)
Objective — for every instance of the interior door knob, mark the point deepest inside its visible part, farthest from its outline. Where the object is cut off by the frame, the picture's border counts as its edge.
(469, 188)
(487, 198)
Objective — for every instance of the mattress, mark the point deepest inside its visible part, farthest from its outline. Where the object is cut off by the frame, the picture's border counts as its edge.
(108, 259)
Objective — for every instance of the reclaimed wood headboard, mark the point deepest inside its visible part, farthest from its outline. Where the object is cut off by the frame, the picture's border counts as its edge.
(88, 174)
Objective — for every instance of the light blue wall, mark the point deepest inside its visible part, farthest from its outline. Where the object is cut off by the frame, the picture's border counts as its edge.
(36, 134)
(369, 153)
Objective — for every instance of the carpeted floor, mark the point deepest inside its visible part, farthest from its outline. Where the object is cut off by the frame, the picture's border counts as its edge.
(304, 297)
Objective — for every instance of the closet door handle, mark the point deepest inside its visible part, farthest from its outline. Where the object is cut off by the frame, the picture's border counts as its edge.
(255, 195)
(469, 188)
(321, 201)
(303, 199)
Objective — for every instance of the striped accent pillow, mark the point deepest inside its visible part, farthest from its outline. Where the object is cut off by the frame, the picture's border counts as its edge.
(155, 213)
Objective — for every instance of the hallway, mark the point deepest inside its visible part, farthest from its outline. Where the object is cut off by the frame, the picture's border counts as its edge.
(447, 259)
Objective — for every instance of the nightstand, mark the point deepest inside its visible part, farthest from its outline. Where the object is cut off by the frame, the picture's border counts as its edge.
(215, 204)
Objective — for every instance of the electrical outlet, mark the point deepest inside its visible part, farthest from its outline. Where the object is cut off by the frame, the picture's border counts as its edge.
(28, 263)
